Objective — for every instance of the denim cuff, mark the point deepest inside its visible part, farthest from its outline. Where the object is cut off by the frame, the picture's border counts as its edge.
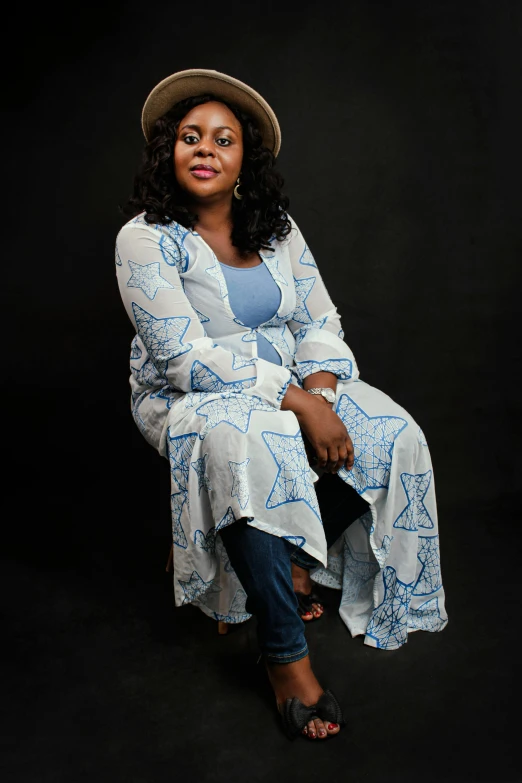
(288, 657)
(304, 560)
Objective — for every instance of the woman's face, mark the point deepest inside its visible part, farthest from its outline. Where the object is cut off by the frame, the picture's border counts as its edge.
(208, 152)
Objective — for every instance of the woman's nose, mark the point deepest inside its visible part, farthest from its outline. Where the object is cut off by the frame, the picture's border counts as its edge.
(204, 149)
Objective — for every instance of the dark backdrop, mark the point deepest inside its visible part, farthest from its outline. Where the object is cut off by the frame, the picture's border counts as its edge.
(401, 126)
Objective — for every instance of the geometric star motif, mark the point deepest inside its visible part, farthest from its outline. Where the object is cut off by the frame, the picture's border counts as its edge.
(239, 481)
(203, 480)
(216, 273)
(231, 619)
(332, 575)
(206, 542)
(415, 514)
(356, 574)
(168, 394)
(227, 519)
(303, 286)
(426, 617)
(278, 320)
(148, 374)
(383, 552)
(204, 379)
(366, 521)
(373, 438)
(273, 267)
(177, 502)
(388, 623)
(202, 318)
(195, 398)
(282, 393)
(180, 448)
(196, 587)
(135, 349)
(293, 481)
(221, 553)
(421, 438)
(250, 336)
(276, 335)
(307, 258)
(299, 541)
(162, 337)
(300, 334)
(172, 246)
(235, 410)
(117, 258)
(239, 600)
(428, 555)
(238, 361)
(340, 367)
(148, 278)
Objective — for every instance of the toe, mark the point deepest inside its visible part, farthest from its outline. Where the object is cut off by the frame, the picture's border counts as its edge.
(320, 728)
(307, 616)
(311, 730)
(332, 728)
(317, 610)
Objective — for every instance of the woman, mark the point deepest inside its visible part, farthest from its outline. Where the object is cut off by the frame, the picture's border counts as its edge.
(241, 378)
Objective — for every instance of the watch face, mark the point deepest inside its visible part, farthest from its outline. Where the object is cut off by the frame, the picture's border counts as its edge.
(329, 394)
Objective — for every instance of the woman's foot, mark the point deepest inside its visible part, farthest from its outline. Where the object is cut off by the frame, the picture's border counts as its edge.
(297, 679)
(303, 584)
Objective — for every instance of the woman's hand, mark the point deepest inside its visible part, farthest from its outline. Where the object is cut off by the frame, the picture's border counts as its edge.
(327, 436)
(322, 428)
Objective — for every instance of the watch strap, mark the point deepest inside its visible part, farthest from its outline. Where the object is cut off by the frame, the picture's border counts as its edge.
(324, 392)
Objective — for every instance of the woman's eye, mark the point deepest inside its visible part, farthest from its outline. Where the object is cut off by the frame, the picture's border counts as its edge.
(190, 138)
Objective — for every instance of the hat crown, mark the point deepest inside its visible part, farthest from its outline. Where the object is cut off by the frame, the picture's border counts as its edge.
(196, 81)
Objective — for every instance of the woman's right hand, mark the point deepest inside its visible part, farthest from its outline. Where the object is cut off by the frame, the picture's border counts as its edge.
(328, 437)
(322, 427)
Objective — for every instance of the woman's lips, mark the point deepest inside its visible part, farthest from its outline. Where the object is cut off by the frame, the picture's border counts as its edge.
(203, 173)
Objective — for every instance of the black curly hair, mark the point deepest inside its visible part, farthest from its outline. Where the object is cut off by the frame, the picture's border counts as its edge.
(257, 218)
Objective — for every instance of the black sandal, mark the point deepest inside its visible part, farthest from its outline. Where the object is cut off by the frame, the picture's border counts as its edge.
(295, 715)
(305, 603)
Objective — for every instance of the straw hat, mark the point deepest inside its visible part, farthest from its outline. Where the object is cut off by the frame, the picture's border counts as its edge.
(195, 81)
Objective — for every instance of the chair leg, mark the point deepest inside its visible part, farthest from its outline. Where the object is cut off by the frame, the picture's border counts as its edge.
(170, 559)
(222, 626)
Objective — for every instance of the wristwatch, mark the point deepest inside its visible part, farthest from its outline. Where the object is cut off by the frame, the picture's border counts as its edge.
(327, 393)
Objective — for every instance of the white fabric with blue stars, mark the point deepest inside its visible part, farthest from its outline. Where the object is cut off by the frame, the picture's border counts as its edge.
(204, 398)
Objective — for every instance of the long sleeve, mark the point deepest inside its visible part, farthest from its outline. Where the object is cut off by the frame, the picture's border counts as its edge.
(316, 324)
(171, 331)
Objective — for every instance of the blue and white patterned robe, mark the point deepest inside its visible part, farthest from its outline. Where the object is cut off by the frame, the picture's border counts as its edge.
(205, 400)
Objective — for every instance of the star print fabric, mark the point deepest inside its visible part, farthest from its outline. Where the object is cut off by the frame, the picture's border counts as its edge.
(203, 397)
(387, 563)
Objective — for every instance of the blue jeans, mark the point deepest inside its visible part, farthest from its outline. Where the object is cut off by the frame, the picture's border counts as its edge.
(262, 563)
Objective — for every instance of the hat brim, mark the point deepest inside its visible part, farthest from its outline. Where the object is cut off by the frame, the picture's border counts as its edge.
(195, 81)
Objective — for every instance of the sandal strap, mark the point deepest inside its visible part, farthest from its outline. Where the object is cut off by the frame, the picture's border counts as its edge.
(305, 601)
(328, 708)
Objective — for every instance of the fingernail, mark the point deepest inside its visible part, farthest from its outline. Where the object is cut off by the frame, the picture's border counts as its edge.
(332, 726)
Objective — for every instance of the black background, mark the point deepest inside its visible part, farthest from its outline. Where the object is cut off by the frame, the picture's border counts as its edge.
(401, 126)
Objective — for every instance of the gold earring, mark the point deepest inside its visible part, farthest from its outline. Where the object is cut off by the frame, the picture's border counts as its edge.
(236, 193)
